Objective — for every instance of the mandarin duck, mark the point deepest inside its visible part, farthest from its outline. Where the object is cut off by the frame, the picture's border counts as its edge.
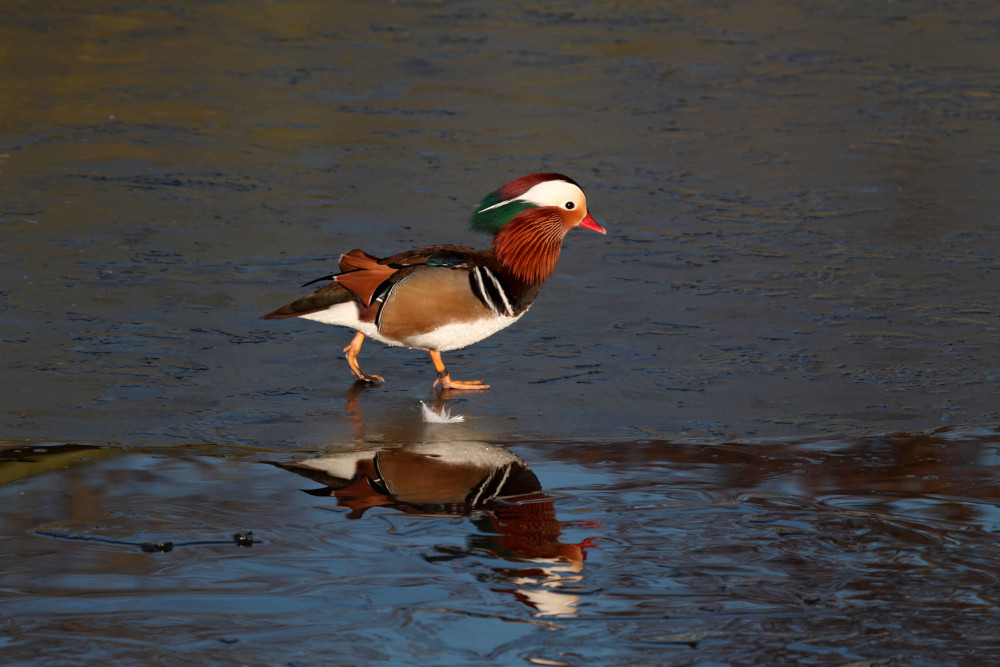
(445, 297)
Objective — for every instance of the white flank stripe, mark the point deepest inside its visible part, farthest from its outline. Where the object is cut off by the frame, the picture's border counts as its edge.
(503, 295)
(482, 291)
(476, 499)
(490, 485)
(506, 474)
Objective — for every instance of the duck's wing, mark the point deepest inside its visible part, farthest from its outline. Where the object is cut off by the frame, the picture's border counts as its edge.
(366, 278)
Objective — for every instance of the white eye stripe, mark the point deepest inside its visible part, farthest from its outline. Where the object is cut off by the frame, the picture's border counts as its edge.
(553, 193)
(498, 205)
(547, 193)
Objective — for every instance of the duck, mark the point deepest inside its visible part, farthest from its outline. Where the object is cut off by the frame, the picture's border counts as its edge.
(446, 297)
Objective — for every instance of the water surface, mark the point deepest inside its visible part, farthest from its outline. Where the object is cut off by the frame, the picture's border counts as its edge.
(760, 415)
(828, 551)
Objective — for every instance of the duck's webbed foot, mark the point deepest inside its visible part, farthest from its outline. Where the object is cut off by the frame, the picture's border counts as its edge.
(444, 380)
(352, 360)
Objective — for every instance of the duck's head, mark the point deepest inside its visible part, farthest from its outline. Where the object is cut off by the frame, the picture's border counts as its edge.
(528, 219)
(535, 196)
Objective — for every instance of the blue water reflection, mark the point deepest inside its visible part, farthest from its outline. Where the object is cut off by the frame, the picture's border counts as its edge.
(514, 520)
(463, 549)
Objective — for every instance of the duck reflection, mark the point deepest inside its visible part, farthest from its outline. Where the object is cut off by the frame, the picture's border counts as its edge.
(454, 478)
(515, 520)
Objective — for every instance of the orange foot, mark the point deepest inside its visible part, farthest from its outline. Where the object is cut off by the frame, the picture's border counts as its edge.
(352, 360)
(460, 385)
(444, 380)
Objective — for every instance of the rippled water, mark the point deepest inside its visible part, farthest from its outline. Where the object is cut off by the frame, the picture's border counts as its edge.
(756, 424)
(826, 551)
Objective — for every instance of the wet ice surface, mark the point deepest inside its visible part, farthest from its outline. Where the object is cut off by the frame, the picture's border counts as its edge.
(801, 260)
(828, 551)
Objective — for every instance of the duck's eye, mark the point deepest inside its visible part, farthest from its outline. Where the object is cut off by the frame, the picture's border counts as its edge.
(570, 206)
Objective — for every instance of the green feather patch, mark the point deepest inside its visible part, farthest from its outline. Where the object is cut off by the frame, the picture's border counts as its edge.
(492, 221)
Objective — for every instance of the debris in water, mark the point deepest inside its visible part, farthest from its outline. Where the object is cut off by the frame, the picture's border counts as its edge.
(443, 417)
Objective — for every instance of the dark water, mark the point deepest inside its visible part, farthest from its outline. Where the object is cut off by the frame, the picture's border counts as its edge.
(827, 551)
(755, 424)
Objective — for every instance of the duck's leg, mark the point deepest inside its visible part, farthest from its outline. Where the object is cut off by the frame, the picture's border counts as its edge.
(444, 379)
(352, 360)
